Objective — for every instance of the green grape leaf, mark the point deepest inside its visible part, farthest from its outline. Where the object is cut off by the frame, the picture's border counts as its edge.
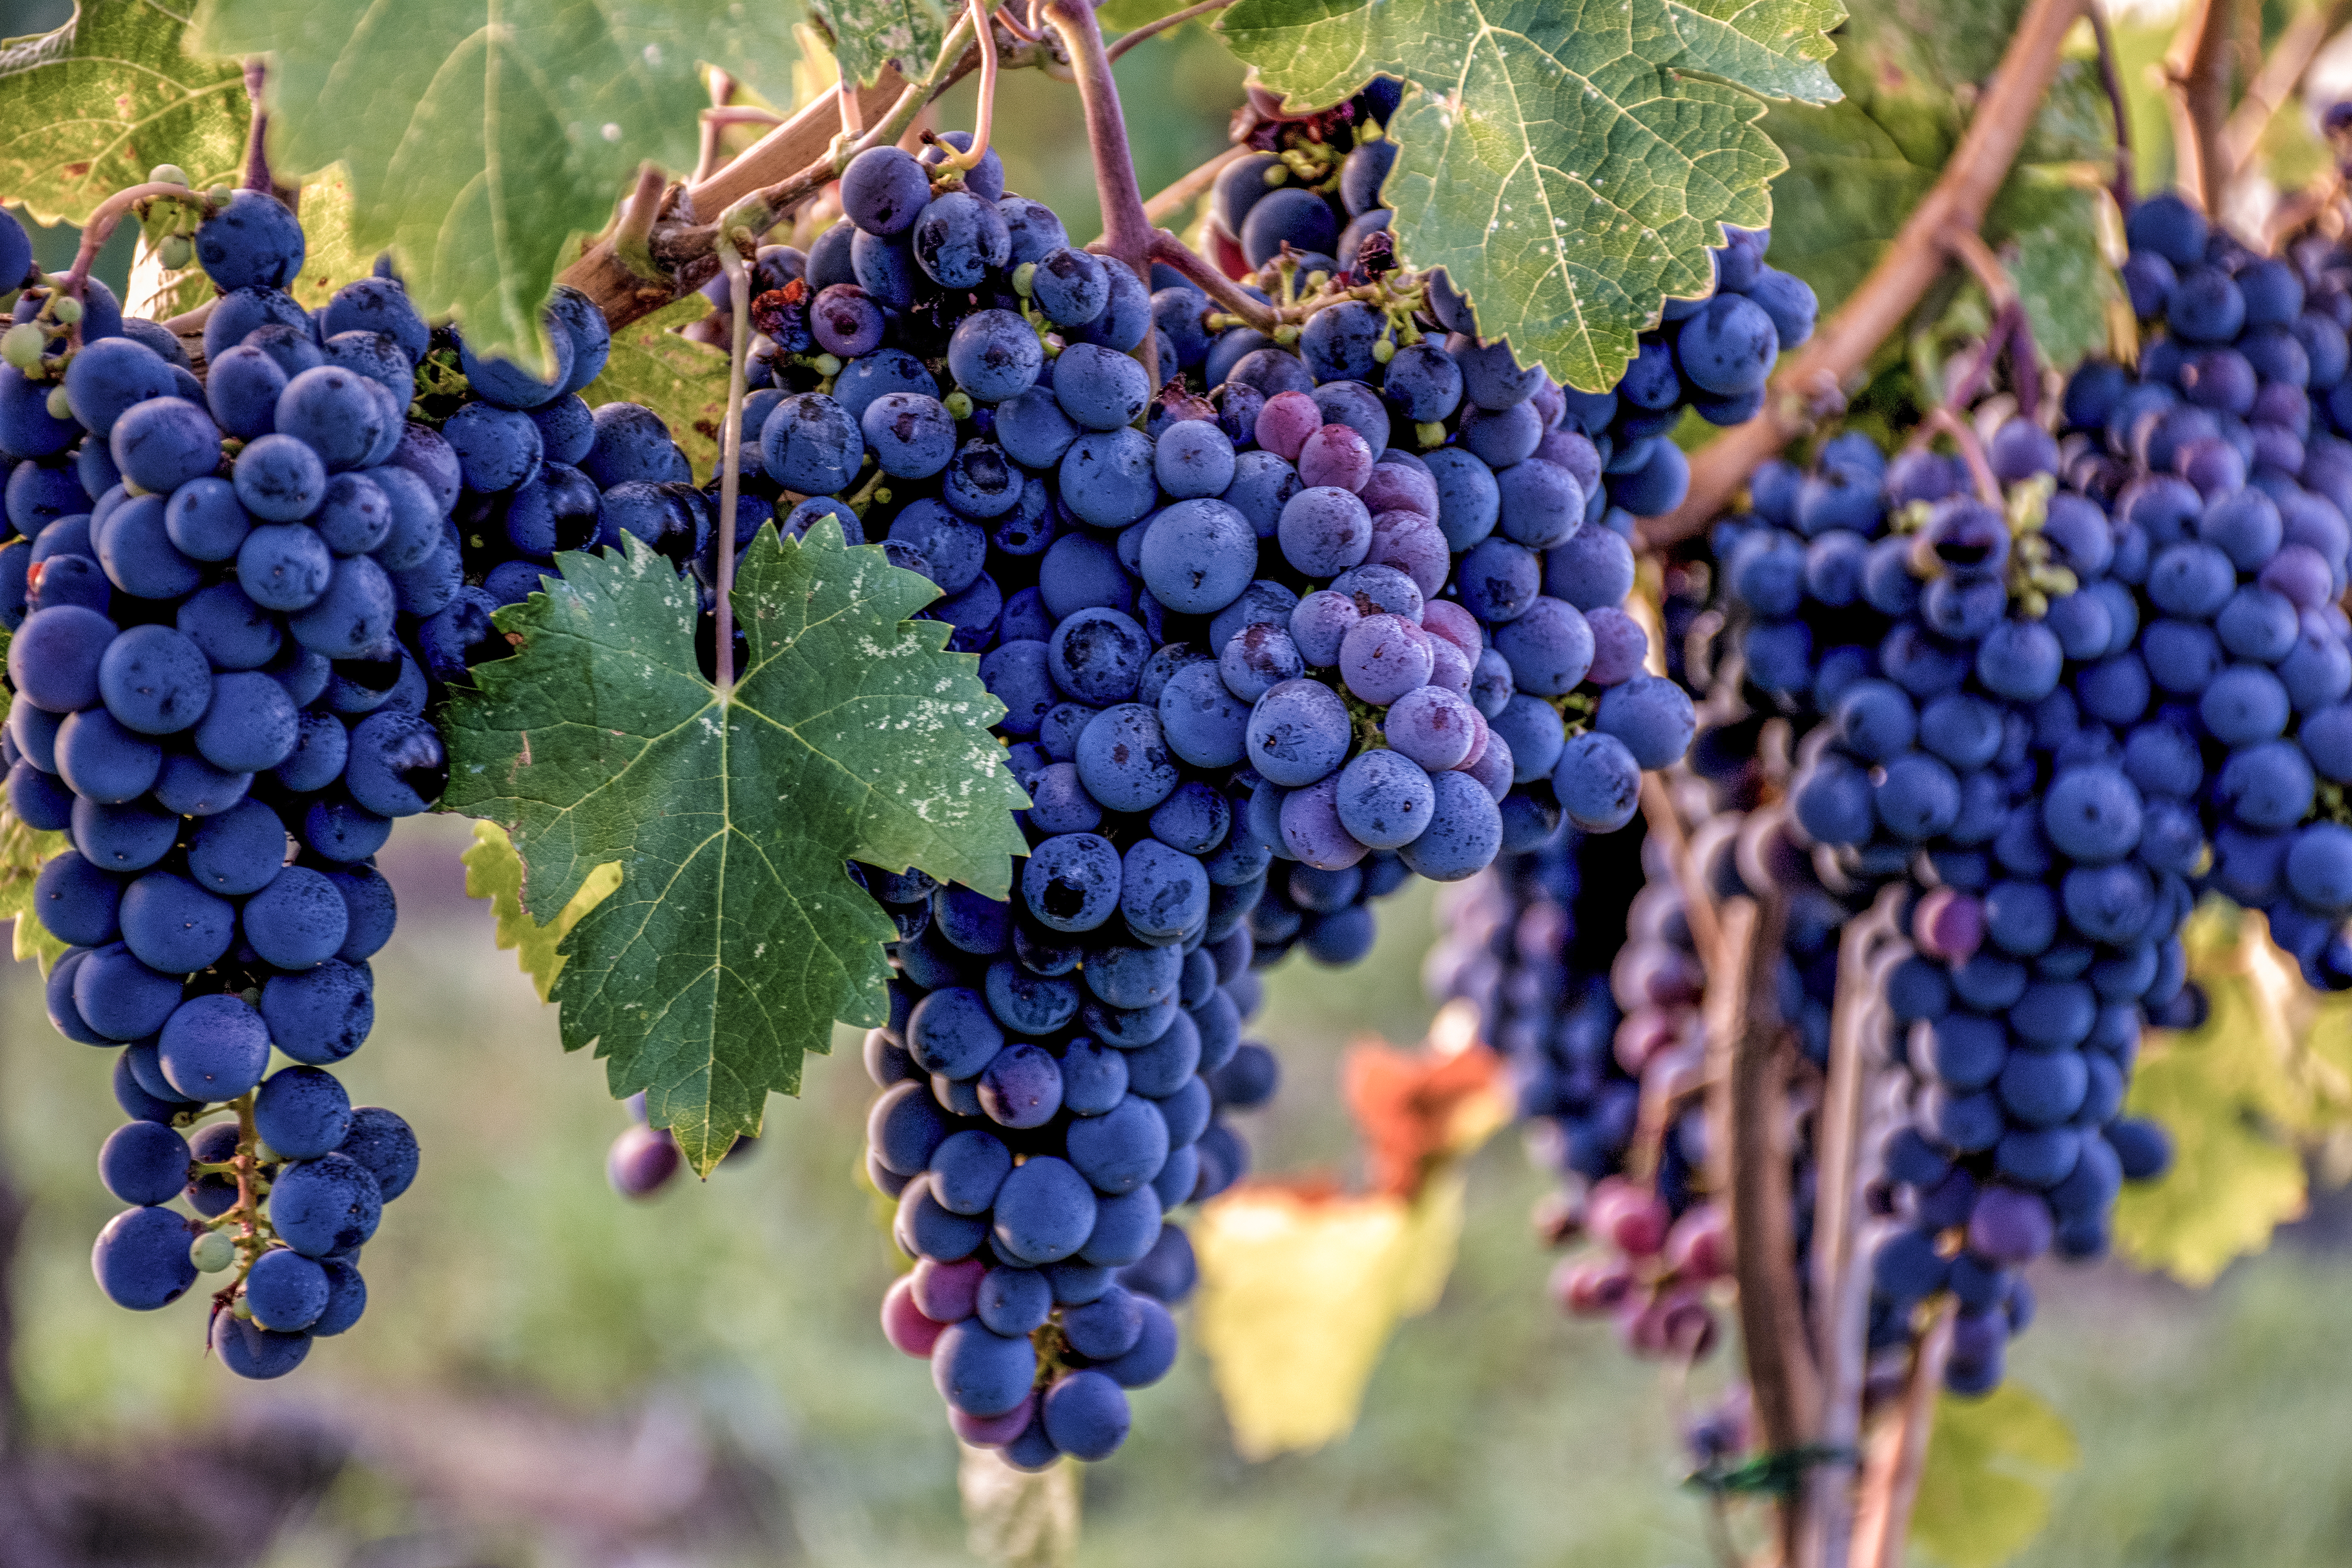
(2063, 278)
(870, 34)
(495, 871)
(1125, 15)
(683, 381)
(481, 137)
(735, 937)
(88, 109)
(1557, 157)
(1848, 187)
(2225, 1095)
(23, 851)
(1991, 1463)
(332, 254)
(1777, 48)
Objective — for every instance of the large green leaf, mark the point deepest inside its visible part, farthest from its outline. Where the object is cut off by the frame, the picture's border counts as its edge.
(480, 137)
(1985, 1490)
(735, 937)
(870, 34)
(1858, 167)
(1557, 157)
(683, 381)
(87, 109)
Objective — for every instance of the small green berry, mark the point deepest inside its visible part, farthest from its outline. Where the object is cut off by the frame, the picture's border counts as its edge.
(167, 175)
(65, 310)
(827, 364)
(959, 404)
(21, 346)
(1024, 276)
(1383, 351)
(1430, 433)
(175, 253)
(213, 1251)
(59, 407)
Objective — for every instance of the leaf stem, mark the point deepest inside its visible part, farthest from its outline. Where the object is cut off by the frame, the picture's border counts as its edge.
(1127, 232)
(1817, 373)
(717, 117)
(256, 161)
(730, 449)
(1150, 29)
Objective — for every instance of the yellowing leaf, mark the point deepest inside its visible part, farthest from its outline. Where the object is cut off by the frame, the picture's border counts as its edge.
(681, 380)
(331, 257)
(1984, 1491)
(22, 851)
(494, 871)
(2222, 1092)
(1299, 1296)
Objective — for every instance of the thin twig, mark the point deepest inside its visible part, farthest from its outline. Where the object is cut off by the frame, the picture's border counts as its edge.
(1166, 248)
(2283, 70)
(1150, 29)
(633, 237)
(716, 119)
(1781, 1376)
(1892, 1486)
(984, 115)
(1665, 824)
(2111, 80)
(1127, 232)
(1841, 1143)
(1970, 247)
(1841, 348)
(1181, 194)
(101, 224)
(2197, 72)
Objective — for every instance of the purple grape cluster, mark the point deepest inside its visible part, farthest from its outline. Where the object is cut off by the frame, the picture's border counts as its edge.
(2227, 452)
(216, 590)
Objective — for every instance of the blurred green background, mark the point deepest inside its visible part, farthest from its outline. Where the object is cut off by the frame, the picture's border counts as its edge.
(549, 1377)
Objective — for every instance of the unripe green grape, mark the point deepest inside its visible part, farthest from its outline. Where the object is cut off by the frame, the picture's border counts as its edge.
(1383, 351)
(21, 346)
(167, 175)
(65, 310)
(1430, 433)
(175, 253)
(213, 1251)
(59, 408)
(1024, 276)
(959, 404)
(827, 364)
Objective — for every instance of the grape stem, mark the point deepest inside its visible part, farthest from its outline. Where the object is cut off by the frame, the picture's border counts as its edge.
(2283, 70)
(1867, 949)
(1816, 374)
(1167, 248)
(1127, 232)
(101, 227)
(717, 117)
(2111, 81)
(2197, 73)
(633, 236)
(1150, 29)
(731, 259)
(1964, 436)
(1750, 1098)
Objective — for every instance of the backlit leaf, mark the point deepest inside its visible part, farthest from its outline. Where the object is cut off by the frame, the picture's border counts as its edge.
(494, 871)
(1991, 1462)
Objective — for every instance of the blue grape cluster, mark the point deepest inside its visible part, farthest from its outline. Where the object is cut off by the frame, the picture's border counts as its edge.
(2226, 451)
(216, 591)
(1969, 676)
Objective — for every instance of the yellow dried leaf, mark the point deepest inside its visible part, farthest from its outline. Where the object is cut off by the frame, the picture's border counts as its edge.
(494, 871)
(1984, 1491)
